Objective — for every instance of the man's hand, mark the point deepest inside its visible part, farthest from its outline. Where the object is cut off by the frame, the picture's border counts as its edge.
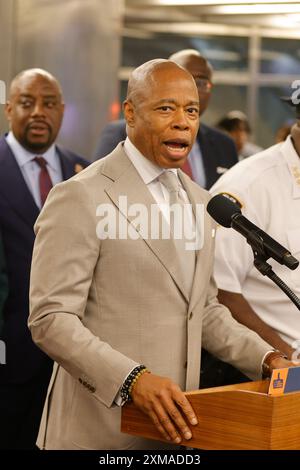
(282, 363)
(164, 402)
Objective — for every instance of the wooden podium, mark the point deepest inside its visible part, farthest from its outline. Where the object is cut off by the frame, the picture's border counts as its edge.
(241, 416)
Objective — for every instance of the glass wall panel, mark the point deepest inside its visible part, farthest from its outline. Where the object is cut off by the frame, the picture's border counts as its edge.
(225, 98)
(272, 113)
(280, 56)
(225, 53)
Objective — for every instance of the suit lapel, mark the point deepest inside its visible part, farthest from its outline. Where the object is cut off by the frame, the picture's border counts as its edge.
(14, 187)
(127, 182)
(67, 164)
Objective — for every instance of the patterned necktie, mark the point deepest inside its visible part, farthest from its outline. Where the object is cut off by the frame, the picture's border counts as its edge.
(186, 257)
(44, 179)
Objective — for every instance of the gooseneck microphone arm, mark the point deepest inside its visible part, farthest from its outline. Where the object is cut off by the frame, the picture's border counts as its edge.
(228, 214)
(266, 270)
(260, 262)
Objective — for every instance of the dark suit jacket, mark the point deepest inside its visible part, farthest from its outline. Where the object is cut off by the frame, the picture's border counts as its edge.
(18, 213)
(3, 282)
(218, 150)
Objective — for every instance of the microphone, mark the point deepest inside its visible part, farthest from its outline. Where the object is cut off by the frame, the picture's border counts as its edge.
(228, 214)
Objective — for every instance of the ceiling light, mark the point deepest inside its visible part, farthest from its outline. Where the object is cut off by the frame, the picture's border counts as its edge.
(214, 2)
(276, 9)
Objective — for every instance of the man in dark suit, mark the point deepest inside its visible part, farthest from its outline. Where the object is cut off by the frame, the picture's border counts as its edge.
(213, 152)
(30, 165)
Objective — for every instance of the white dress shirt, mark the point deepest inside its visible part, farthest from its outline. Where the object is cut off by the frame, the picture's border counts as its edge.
(149, 172)
(31, 170)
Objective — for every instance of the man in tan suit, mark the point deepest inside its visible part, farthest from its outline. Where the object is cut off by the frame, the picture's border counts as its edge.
(103, 305)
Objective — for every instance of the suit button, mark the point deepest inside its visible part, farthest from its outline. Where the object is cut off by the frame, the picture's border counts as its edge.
(191, 315)
(80, 380)
(92, 389)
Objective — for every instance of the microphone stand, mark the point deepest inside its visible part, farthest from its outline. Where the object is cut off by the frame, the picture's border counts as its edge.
(260, 262)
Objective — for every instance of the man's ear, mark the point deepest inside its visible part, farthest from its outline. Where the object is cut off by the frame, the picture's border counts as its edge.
(129, 113)
(7, 109)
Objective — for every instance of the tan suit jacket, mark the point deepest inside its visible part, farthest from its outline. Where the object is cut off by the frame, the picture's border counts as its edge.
(100, 307)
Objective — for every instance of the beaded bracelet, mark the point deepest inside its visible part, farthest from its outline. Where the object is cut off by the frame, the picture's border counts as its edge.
(130, 381)
(266, 370)
(138, 375)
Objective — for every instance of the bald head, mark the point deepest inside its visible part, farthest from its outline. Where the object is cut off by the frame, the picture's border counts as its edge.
(29, 75)
(187, 56)
(180, 56)
(200, 69)
(35, 109)
(146, 75)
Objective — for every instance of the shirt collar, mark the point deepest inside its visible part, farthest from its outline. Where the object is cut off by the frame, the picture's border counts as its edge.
(148, 170)
(23, 156)
(293, 161)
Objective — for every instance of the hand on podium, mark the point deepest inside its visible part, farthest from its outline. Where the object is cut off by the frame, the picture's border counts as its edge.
(278, 362)
(164, 402)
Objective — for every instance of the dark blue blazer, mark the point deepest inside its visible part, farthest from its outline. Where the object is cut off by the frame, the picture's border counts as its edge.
(3, 284)
(218, 150)
(18, 213)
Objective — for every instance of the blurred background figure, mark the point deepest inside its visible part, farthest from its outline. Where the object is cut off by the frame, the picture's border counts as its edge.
(213, 152)
(112, 134)
(235, 124)
(31, 163)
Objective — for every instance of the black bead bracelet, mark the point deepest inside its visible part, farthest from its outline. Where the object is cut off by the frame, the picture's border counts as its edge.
(126, 387)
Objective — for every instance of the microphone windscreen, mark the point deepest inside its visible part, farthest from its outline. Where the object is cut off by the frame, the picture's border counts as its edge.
(222, 209)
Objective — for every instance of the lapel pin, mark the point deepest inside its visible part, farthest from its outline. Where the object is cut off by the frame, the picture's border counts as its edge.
(78, 168)
(220, 170)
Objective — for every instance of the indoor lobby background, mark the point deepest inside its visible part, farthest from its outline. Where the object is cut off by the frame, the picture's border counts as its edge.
(92, 45)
